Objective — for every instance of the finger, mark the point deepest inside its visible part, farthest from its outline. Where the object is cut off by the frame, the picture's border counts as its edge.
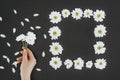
(19, 59)
(25, 58)
(21, 51)
(30, 54)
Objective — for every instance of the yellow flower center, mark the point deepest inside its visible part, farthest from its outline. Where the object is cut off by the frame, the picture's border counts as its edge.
(77, 14)
(99, 47)
(55, 17)
(88, 13)
(56, 48)
(54, 33)
(55, 62)
(65, 13)
(100, 63)
(100, 31)
(78, 63)
(98, 15)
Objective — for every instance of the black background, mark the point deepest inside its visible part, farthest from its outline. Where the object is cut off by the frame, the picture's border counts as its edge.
(77, 38)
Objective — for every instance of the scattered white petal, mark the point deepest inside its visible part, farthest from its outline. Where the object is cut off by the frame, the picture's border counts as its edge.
(0, 18)
(5, 57)
(16, 53)
(27, 20)
(43, 54)
(2, 67)
(2, 35)
(36, 14)
(8, 44)
(38, 69)
(45, 37)
(32, 28)
(22, 23)
(14, 30)
(14, 11)
(15, 63)
(13, 70)
(38, 27)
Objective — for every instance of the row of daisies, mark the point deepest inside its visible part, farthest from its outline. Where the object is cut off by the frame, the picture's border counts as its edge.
(56, 17)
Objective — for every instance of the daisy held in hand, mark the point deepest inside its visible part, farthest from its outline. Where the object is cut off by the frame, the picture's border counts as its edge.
(26, 39)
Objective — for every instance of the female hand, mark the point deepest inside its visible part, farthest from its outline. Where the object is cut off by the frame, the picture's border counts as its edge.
(28, 62)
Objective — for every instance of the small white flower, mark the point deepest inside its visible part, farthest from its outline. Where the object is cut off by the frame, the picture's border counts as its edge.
(77, 13)
(55, 17)
(31, 34)
(99, 15)
(68, 63)
(100, 31)
(89, 64)
(88, 13)
(54, 32)
(56, 48)
(55, 62)
(0, 18)
(79, 63)
(100, 63)
(21, 37)
(99, 47)
(65, 13)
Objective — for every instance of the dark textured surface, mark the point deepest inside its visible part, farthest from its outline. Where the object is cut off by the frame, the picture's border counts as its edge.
(77, 38)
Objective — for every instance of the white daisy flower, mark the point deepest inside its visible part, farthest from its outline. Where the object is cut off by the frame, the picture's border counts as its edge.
(21, 37)
(68, 63)
(100, 31)
(99, 15)
(56, 48)
(89, 64)
(54, 32)
(77, 13)
(30, 38)
(55, 17)
(65, 13)
(100, 63)
(79, 63)
(88, 13)
(55, 62)
(99, 47)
